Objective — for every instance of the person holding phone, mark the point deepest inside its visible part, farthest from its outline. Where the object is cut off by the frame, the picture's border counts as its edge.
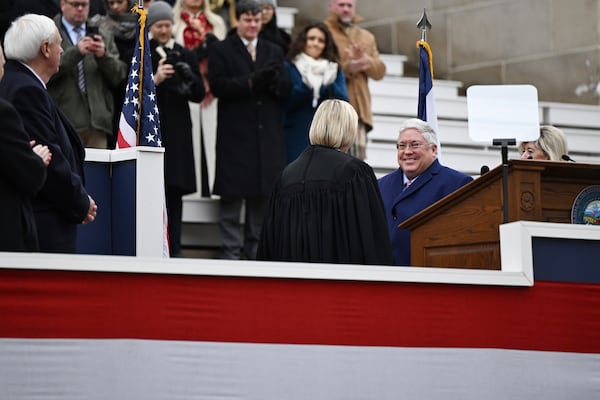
(90, 69)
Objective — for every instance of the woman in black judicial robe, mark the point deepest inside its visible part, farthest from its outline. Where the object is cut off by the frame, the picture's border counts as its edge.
(326, 206)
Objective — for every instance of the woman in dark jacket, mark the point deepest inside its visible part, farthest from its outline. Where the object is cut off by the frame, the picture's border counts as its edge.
(269, 30)
(316, 75)
(122, 23)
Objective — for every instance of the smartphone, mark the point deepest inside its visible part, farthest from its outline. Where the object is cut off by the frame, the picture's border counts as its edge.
(91, 31)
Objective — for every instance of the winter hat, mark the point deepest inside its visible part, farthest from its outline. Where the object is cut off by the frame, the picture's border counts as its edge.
(271, 3)
(158, 11)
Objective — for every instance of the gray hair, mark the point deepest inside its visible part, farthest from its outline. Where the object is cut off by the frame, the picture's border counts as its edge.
(25, 36)
(426, 130)
(335, 124)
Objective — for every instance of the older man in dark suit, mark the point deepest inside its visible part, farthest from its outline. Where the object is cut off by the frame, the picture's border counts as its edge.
(248, 77)
(419, 182)
(33, 50)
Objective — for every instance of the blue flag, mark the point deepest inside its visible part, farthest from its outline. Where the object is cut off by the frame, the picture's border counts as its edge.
(426, 108)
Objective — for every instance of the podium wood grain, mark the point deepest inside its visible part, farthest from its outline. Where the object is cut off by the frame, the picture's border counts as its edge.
(461, 230)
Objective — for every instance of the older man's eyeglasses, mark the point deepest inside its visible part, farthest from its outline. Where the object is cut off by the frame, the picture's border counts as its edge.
(78, 4)
(412, 145)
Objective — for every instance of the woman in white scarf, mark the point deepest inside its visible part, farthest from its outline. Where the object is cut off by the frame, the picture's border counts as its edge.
(312, 65)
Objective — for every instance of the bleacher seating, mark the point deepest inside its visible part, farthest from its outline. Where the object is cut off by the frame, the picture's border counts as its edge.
(395, 98)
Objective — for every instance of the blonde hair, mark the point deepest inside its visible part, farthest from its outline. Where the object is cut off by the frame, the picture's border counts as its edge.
(552, 142)
(335, 124)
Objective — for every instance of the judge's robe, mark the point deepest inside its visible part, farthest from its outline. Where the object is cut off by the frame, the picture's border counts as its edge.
(326, 207)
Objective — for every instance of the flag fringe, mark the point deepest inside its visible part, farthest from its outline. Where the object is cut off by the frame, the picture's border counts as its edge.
(425, 45)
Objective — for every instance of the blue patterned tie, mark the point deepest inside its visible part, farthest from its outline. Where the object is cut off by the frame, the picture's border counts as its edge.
(80, 73)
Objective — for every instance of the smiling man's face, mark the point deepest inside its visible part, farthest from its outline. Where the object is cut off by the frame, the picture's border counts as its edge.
(415, 154)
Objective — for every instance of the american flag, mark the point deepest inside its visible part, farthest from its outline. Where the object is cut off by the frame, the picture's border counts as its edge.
(139, 123)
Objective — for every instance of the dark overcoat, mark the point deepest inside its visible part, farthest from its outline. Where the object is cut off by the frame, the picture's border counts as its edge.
(175, 119)
(22, 175)
(435, 183)
(63, 201)
(250, 143)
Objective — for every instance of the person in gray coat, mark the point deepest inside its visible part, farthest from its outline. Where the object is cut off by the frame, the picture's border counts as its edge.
(90, 69)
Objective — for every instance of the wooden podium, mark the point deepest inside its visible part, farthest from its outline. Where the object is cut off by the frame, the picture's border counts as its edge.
(461, 230)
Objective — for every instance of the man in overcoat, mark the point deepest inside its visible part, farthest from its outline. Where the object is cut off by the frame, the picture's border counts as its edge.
(419, 182)
(90, 69)
(248, 77)
(360, 60)
(32, 48)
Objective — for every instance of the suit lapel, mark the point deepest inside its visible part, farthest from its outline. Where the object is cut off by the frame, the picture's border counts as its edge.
(416, 185)
(239, 46)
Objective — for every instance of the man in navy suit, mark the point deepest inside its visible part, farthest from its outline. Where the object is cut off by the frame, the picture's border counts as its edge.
(247, 75)
(33, 50)
(419, 182)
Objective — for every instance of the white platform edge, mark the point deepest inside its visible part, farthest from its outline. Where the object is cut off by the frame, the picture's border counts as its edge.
(515, 245)
(515, 248)
(516, 242)
(278, 270)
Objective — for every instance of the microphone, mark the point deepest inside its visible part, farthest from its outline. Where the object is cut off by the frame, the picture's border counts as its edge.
(484, 169)
(567, 158)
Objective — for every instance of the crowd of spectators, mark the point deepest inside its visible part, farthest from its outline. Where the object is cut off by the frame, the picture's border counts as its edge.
(276, 118)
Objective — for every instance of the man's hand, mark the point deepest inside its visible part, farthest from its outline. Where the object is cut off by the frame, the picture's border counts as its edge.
(359, 60)
(92, 211)
(92, 45)
(163, 72)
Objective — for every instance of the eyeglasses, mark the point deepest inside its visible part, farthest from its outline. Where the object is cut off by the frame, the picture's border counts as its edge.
(412, 145)
(77, 4)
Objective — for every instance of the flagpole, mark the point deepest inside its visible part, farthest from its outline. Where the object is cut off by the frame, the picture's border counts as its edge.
(426, 107)
(424, 25)
(142, 41)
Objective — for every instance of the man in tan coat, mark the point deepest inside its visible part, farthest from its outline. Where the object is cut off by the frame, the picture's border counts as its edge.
(360, 61)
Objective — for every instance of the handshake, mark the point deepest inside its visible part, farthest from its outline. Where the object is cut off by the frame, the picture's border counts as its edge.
(267, 79)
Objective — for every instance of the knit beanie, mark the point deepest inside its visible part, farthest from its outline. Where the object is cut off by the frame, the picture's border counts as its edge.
(271, 3)
(158, 11)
